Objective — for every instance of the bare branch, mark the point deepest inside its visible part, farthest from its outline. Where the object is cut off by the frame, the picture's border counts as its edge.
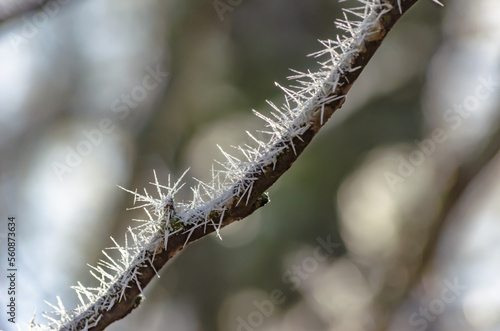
(11, 9)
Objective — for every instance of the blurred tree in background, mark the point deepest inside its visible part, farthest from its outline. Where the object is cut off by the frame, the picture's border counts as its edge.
(403, 182)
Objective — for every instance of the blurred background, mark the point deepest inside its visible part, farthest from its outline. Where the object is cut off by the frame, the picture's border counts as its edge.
(388, 221)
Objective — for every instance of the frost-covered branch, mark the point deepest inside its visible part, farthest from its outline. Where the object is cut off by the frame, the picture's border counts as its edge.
(239, 187)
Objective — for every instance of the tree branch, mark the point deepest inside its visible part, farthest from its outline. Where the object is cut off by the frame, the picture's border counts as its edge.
(13, 9)
(291, 135)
